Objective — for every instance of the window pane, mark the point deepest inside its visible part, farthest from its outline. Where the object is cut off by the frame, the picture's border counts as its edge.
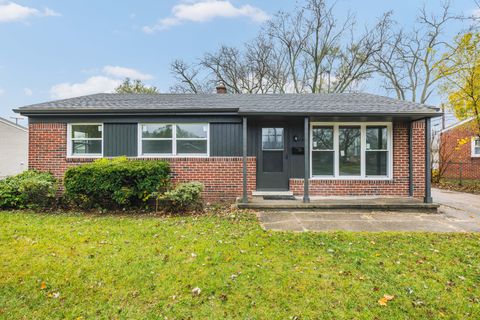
(157, 131)
(157, 146)
(86, 147)
(377, 138)
(376, 163)
(322, 163)
(197, 130)
(349, 151)
(192, 146)
(85, 131)
(476, 150)
(272, 138)
(322, 138)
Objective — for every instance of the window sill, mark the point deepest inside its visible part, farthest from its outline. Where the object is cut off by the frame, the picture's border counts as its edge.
(352, 178)
(85, 157)
(173, 156)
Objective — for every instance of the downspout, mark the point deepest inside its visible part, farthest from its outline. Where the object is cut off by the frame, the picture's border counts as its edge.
(306, 196)
(428, 170)
(244, 167)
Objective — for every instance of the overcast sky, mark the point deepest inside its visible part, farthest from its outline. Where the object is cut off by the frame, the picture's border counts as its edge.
(55, 49)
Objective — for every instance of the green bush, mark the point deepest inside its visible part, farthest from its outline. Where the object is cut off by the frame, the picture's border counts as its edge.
(30, 189)
(185, 197)
(116, 183)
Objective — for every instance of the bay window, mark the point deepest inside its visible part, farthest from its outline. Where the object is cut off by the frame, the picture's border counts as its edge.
(162, 139)
(85, 140)
(351, 150)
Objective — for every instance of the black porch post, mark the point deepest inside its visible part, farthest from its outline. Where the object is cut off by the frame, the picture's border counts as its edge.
(306, 197)
(244, 138)
(410, 159)
(428, 169)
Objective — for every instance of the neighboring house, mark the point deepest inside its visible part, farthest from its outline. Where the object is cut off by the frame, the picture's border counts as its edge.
(13, 148)
(350, 144)
(460, 150)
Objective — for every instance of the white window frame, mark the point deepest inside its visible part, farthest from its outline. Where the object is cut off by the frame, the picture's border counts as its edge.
(363, 149)
(174, 139)
(70, 140)
(474, 155)
(140, 140)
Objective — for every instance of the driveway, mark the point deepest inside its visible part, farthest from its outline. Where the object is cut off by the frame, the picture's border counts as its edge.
(459, 212)
(457, 204)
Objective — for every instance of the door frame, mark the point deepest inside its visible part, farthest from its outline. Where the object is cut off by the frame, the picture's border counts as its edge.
(286, 157)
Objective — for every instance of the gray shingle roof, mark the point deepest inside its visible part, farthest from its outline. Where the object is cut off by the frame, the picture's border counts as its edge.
(311, 104)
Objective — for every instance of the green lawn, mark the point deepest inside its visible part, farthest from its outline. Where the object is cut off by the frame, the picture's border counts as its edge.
(91, 267)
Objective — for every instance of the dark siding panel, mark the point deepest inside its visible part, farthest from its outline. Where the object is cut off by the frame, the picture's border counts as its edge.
(225, 139)
(120, 139)
(252, 138)
(297, 161)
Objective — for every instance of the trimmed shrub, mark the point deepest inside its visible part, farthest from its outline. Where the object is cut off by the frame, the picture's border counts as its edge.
(185, 197)
(29, 189)
(116, 183)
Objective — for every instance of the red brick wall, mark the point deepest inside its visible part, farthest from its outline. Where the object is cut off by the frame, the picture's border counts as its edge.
(398, 186)
(451, 150)
(222, 176)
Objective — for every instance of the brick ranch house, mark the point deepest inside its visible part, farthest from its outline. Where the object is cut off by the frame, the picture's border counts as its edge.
(349, 144)
(460, 146)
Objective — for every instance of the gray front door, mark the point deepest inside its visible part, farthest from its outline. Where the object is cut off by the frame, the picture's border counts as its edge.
(272, 158)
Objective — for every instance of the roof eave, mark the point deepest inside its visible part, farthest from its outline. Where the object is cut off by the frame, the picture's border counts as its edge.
(218, 111)
(84, 112)
(340, 114)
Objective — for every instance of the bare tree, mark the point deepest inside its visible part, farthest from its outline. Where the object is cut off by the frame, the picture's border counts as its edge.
(325, 55)
(354, 63)
(408, 62)
(290, 33)
(310, 50)
(307, 50)
(259, 68)
(187, 78)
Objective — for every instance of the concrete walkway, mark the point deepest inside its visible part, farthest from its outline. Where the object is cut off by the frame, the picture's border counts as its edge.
(459, 212)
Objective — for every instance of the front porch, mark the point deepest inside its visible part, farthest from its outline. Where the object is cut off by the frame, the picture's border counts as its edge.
(340, 203)
(386, 158)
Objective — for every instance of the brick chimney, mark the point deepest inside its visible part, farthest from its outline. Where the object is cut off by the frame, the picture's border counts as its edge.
(221, 89)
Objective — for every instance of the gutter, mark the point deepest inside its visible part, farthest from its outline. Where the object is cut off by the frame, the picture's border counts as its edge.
(122, 113)
(336, 114)
(227, 112)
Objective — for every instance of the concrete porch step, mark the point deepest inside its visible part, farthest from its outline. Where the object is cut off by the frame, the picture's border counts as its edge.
(271, 193)
(380, 204)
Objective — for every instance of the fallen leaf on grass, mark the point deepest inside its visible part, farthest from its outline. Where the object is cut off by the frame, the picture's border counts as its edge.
(384, 300)
(417, 303)
(196, 291)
